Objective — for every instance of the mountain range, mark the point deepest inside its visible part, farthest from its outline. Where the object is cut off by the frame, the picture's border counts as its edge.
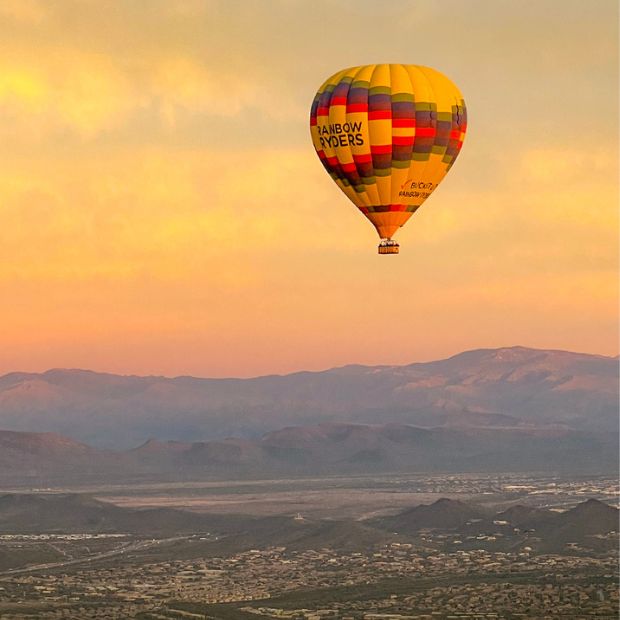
(328, 449)
(505, 389)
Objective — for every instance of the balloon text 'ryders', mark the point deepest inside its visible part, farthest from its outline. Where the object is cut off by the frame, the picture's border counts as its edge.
(341, 135)
(387, 135)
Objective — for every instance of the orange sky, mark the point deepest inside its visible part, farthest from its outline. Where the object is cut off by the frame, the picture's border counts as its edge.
(162, 209)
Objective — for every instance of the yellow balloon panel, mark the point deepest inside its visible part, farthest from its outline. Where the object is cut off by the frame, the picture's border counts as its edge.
(388, 134)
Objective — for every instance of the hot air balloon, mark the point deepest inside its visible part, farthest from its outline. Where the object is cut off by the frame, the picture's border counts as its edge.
(387, 135)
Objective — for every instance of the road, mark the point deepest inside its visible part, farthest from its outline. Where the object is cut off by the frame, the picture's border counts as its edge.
(122, 549)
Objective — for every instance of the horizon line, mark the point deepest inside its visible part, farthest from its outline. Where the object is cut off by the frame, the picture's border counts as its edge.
(302, 371)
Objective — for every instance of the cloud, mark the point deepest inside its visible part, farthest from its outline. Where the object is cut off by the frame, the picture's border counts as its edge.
(26, 11)
(60, 91)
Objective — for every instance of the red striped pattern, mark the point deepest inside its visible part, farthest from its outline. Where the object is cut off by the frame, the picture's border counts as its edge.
(379, 115)
(389, 209)
(425, 132)
(357, 107)
(402, 140)
(380, 149)
(403, 122)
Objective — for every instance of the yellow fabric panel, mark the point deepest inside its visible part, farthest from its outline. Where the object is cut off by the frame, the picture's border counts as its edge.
(388, 223)
(414, 173)
(364, 73)
(436, 169)
(380, 132)
(384, 186)
(380, 76)
(419, 83)
(446, 94)
(400, 81)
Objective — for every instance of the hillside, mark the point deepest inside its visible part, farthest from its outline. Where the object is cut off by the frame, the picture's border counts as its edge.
(31, 454)
(488, 388)
(588, 524)
(76, 513)
(444, 514)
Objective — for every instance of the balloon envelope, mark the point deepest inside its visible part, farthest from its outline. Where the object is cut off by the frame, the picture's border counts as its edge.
(388, 134)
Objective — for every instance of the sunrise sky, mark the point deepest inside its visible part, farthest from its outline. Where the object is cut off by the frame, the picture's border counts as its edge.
(162, 209)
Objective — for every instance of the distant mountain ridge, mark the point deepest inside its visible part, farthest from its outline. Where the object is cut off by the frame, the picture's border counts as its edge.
(505, 388)
(326, 449)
